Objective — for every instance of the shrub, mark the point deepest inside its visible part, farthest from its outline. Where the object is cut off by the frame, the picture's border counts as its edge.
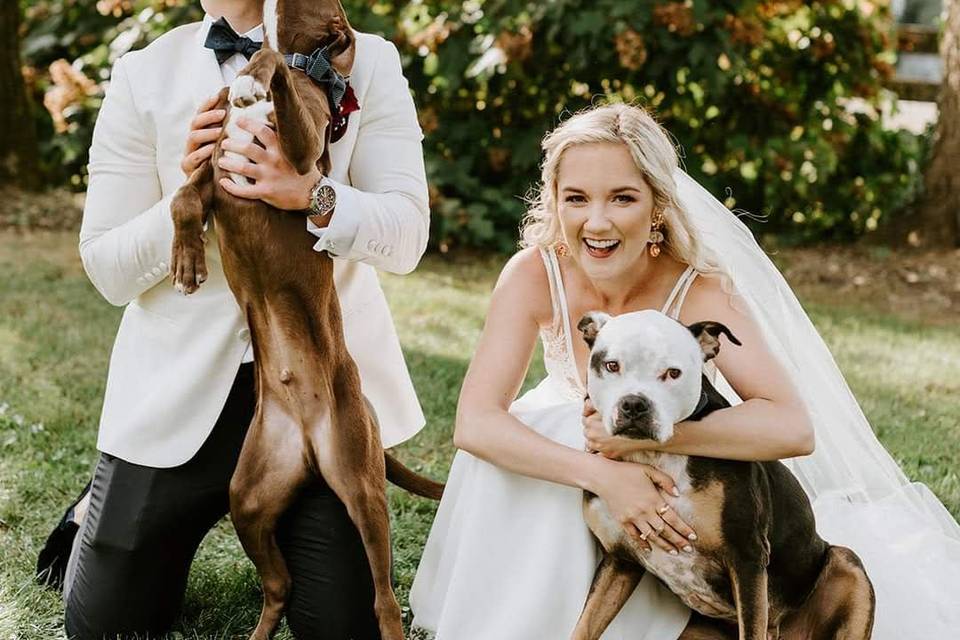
(775, 104)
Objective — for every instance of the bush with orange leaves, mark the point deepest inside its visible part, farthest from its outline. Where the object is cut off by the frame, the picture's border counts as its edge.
(68, 90)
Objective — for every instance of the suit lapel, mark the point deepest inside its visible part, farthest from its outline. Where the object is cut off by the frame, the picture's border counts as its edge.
(342, 150)
(205, 75)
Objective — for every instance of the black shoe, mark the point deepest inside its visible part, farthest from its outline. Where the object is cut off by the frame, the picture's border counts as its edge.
(52, 561)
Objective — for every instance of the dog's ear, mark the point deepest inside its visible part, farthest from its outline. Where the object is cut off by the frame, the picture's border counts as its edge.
(708, 335)
(343, 45)
(590, 326)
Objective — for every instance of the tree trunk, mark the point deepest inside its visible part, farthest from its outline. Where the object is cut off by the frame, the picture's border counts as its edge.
(938, 216)
(18, 137)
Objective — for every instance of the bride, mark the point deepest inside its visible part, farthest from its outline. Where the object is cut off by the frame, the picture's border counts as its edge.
(619, 227)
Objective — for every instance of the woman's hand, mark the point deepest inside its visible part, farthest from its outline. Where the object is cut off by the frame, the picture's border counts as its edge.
(204, 130)
(637, 496)
(614, 447)
(277, 181)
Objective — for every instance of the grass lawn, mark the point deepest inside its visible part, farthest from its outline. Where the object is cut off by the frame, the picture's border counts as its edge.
(55, 337)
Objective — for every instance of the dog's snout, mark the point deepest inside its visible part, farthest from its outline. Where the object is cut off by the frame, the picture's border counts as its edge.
(635, 418)
(634, 406)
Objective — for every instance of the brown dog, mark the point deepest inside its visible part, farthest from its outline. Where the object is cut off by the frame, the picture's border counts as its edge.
(311, 417)
(758, 567)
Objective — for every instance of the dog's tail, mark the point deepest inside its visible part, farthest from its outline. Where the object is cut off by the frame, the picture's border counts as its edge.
(411, 481)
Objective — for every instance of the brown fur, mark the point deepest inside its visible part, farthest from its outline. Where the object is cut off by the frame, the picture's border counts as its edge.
(311, 417)
(615, 580)
(758, 562)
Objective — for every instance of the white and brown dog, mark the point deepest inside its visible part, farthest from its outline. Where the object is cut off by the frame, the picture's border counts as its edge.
(759, 564)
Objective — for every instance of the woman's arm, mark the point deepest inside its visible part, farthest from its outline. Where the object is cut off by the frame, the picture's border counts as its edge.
(486, 429)
(771, 423)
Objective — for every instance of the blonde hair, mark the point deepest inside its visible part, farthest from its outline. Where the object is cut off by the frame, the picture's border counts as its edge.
(655, 157)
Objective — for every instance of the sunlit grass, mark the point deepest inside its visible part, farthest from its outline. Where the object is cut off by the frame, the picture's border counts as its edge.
(55, 337)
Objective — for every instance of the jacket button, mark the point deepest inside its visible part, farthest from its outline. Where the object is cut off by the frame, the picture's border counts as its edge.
(244, 334)
(140, 280)
(163, 266)
(157, 271)
(373, 246)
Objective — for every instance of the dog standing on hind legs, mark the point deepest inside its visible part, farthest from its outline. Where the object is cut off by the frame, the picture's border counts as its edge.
(311, 417)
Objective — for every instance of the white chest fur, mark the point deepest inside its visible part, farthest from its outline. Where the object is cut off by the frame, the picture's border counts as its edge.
(685, 573)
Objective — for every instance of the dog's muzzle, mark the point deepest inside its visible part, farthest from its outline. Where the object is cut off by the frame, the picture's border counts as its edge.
(635, 418)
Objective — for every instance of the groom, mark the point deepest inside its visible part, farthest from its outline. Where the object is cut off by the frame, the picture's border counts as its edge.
(180, 392)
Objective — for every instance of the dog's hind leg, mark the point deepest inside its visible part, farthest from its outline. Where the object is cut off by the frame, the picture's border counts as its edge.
(613, 583)
(350, 458)
(841, 606)
(269, 474)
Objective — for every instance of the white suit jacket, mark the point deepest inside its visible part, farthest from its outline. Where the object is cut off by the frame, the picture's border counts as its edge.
(175, 357)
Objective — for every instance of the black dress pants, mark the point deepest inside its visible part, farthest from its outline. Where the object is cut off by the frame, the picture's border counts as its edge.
(144, 525)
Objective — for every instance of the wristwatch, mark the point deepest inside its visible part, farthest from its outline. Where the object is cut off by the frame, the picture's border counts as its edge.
(323, 198)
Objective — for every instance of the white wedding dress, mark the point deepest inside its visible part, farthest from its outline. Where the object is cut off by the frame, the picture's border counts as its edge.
(510, 558)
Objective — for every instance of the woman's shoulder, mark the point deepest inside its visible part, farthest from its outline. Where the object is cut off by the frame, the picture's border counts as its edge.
(524, 280)
(709, 298)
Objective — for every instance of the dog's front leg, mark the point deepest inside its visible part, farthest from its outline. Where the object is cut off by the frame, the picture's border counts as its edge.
(189, 210)
(749, 580)
(613, 583)
(296, 127)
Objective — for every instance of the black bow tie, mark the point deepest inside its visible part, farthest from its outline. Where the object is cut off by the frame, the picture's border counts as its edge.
(225, 42)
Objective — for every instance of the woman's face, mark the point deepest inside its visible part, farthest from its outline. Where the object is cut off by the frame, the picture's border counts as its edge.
(605, 208)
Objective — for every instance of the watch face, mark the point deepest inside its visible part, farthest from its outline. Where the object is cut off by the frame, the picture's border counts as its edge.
(324, 200)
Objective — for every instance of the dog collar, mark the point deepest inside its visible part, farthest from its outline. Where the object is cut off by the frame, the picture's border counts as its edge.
(318, 66)
(701, 405)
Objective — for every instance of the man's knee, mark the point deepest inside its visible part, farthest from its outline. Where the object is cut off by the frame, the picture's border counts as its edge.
(131, 593)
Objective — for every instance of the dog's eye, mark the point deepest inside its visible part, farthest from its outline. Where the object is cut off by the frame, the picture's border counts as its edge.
(671, 373)
(612, 366)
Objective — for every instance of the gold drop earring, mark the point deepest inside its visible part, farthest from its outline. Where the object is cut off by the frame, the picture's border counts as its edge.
(656, 235)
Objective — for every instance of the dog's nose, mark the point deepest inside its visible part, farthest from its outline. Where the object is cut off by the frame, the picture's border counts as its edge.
(633, 407)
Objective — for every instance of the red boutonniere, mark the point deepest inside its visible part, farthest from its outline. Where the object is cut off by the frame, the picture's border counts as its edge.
(348, 104)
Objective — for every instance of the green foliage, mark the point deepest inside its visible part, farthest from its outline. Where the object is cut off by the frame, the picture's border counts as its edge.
(91, 35)
(775, 104)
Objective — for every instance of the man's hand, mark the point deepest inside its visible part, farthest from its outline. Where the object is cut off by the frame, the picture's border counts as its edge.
(277, 182)
(615, 447)
(204, 130)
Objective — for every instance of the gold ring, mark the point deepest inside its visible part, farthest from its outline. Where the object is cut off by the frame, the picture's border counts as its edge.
(662, 510)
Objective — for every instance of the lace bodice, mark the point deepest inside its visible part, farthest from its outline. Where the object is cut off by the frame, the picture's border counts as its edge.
(557, 339)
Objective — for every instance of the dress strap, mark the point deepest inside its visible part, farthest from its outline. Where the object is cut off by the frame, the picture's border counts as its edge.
(561, 311)
(675, 300)
(556, 289)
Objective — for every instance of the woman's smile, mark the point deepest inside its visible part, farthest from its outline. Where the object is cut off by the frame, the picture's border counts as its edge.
(600, 248)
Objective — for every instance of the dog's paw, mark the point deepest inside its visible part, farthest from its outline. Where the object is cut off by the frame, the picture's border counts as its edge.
(188, 264)
(246, 91)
